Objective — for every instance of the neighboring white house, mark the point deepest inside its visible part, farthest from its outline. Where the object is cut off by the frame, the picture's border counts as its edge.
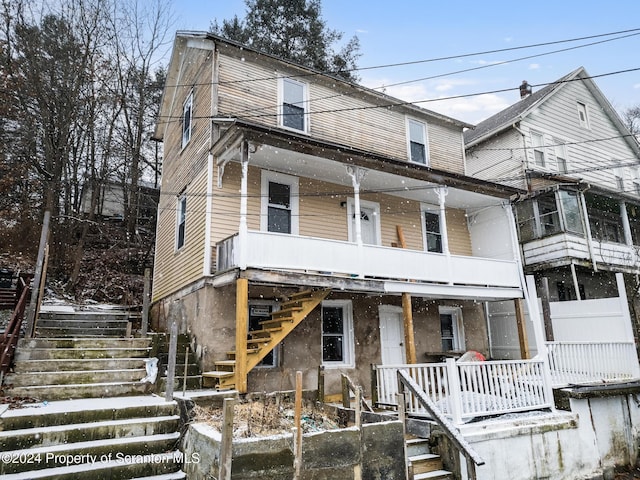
(580, 222)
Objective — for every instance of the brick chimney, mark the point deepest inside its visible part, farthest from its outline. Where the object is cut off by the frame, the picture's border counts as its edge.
(525, 89)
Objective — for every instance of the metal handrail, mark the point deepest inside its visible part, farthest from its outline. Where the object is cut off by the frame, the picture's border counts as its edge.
(452, 433)
(9, 338)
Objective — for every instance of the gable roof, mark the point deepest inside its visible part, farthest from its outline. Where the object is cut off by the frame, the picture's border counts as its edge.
(506, 118)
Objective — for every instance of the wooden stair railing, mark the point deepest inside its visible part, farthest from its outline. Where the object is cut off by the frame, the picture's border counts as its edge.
(262, 341)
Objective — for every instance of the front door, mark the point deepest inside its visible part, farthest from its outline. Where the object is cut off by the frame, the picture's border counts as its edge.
(369, 227)
(392, 335)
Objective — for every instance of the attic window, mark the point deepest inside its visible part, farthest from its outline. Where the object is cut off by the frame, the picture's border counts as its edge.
(582, 115)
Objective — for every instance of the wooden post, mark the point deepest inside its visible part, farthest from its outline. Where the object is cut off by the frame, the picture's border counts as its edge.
(346, 398)
(546, 310)
(522, 329)
(145, 301)
(242, 327)
(37, 279)
(226, 445)
(407, 313)
(321, 384)
(171, 367)
(297, 458)
(374, 386)
(358, 412)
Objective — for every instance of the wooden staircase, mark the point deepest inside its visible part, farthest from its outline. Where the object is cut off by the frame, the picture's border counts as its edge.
(262, 341)
(423, 464)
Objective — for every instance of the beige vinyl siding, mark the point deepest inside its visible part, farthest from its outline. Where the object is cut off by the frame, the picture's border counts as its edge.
(175, 269)
(322, 216)
(184, 170)
(499, 159)
(458, 232)
(337, 113)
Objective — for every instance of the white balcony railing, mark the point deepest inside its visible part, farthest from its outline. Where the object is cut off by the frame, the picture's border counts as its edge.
(310, 254)
(592, 362)
(464, 390)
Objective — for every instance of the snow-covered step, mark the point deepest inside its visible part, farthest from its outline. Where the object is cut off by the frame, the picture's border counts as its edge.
(434, 475)
(83, 343)
(80, 352)
(68, 433)
(162, 464)
(86, 390)
(28, 379)
(61, 365)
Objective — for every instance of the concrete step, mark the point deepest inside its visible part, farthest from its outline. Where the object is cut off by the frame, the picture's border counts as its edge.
(162, 466)
(76, 391)
(417, 446)
(82, 323)
(28, 379)
(60, 365)
(66, 412)
(167, 476)
(99, 342)
(193, 383)
(83, 315)
(80, 332)
(83, 432)
(73, 353)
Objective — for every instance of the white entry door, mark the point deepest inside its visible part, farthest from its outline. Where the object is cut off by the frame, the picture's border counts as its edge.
(369, 225)
(391, 335)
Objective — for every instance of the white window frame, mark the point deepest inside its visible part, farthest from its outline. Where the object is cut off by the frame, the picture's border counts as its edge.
(293, 182)
(561, 152)
(459, 342)
(348, 341)
(423, 125)
(539, 148)
(187, 106)
(636, 180)
(351, 208)
(435, 210)
(282, 81)
(181, 221)
(583, 115)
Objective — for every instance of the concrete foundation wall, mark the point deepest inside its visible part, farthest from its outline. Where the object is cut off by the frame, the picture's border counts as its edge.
(598, 435)
(374, 453)
(207, 314)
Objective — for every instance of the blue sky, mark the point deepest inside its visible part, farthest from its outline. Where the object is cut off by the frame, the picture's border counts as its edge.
(402, 31)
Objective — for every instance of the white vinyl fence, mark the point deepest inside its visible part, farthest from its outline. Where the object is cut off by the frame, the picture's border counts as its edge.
(465, 390)
(592, 362)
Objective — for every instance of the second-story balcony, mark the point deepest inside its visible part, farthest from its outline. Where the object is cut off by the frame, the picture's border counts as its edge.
(397, 270)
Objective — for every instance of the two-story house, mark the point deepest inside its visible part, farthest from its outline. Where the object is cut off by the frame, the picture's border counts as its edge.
(305, 221)
(579, 223)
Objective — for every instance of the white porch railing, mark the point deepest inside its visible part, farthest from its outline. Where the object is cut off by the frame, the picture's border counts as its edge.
(465, 390)
(311, 254)
(592, 362)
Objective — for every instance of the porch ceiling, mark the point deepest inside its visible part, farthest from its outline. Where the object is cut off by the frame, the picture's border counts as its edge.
(287, 153)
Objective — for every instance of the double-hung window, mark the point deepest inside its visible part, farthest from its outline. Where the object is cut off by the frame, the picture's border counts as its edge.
(451, 329)
(187, 119)
(561, 156)
(583, 118)
(432, 231)
(417, 141)
(337, 333)
(181, 223)
(279, 206)
(618, 174)
(537, 141)
(293, 106)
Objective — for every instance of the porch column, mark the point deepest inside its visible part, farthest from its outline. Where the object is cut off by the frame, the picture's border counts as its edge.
(242, 327)
(442, 193)
(356, 174)
(587, 231)
(628, 239)
(242, 227)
